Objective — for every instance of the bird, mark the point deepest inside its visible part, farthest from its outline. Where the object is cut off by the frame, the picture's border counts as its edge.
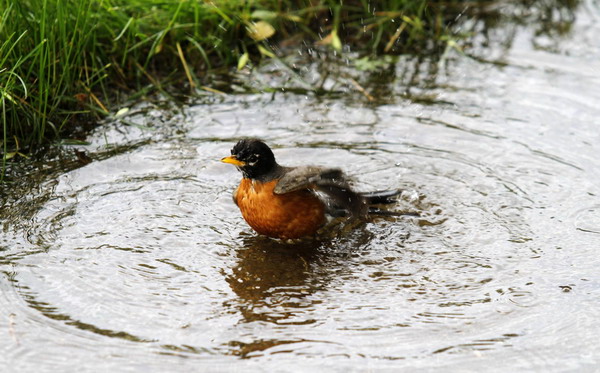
(294, 202)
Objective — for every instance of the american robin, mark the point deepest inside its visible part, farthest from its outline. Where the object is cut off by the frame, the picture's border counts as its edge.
(292, 202)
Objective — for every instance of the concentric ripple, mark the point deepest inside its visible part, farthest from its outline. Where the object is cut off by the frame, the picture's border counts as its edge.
(140, 258)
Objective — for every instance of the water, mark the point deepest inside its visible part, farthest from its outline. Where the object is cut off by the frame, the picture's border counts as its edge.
(140, 260)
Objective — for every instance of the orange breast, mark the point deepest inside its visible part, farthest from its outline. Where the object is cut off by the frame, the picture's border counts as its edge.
(291, 215)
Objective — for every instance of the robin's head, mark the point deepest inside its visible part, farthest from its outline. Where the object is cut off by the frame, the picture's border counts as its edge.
(252, 157)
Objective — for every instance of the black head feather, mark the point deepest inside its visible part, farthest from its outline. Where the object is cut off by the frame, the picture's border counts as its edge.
(257, 157)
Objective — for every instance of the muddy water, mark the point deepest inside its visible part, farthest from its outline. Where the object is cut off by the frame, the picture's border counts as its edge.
(140, 259)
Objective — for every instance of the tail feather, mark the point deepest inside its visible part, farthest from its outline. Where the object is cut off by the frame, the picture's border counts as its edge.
(374, 211)
(381, 197)
(370, 200)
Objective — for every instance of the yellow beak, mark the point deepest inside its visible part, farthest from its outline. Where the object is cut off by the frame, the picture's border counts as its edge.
(233, 160)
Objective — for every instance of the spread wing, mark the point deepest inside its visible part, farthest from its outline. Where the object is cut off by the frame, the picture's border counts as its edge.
(330, 181)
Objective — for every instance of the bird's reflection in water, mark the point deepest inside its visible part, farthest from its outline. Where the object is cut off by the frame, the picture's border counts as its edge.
(274, 279)
(276, 283)
(279, 282)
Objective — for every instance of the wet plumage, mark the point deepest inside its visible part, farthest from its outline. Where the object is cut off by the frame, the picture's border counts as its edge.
(292, 202)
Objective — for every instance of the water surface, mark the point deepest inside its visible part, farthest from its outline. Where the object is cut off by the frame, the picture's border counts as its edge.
(140, 259)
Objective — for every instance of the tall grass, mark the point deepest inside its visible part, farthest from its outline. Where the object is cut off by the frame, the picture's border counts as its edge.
(62, 60)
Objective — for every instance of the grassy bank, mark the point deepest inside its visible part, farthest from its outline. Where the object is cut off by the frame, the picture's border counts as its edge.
(63, 61)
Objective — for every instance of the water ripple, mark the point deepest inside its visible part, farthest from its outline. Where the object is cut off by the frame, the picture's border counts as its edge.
(141, 255)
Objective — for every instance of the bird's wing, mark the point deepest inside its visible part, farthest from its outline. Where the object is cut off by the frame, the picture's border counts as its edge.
(309, 177)
(330, 181)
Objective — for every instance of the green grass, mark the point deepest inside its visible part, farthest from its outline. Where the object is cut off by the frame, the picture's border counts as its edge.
(63, 61)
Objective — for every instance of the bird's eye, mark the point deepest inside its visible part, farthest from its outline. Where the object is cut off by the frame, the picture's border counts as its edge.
(253, 159)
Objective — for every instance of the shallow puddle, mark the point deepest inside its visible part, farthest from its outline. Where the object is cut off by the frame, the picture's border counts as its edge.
(140, 259)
